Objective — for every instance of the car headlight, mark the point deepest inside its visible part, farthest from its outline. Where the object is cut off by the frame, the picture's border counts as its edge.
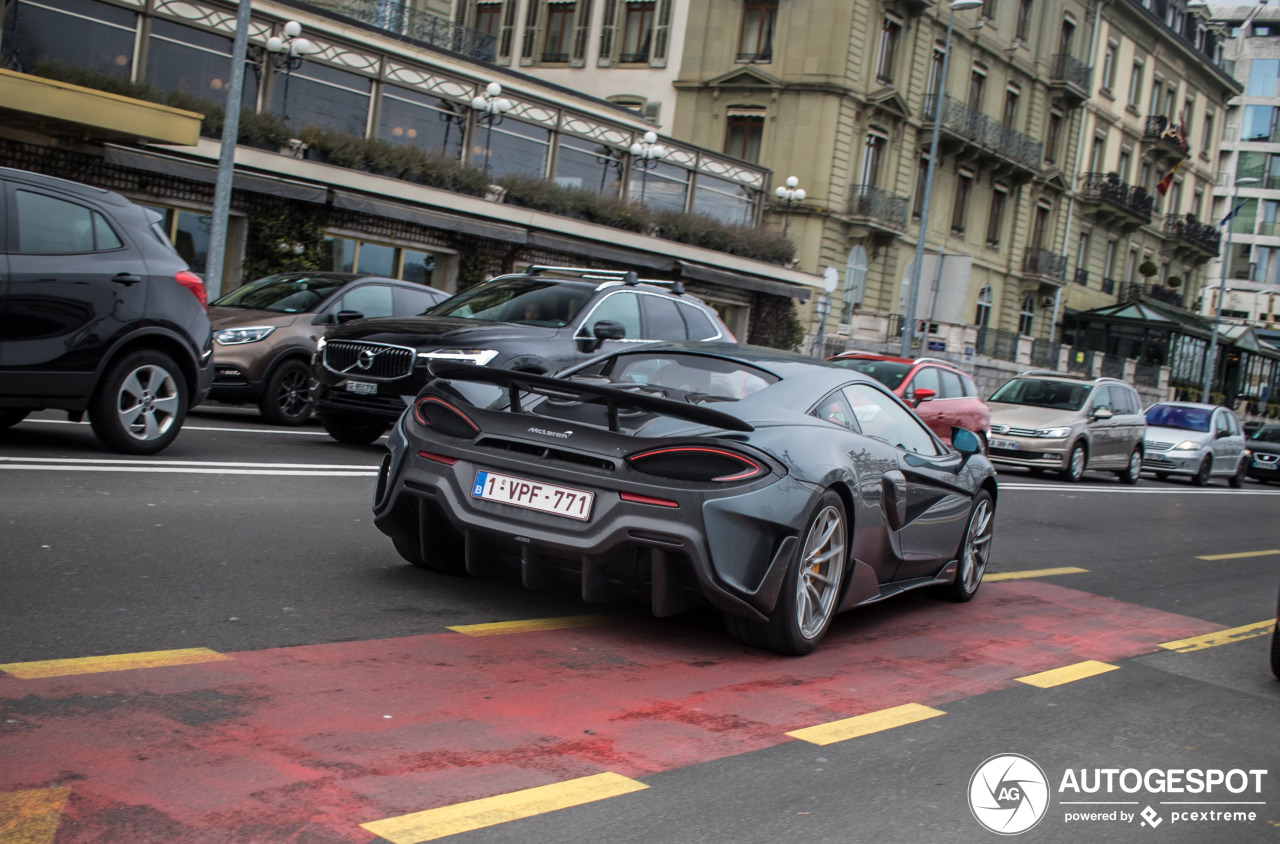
(246, 334)
(1187, 445)
(477, 356)
(320, 343)
(1053, 433)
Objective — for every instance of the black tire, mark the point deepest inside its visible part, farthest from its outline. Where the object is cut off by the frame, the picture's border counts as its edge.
(353, 430)
(797, 625)
(1275, 652)
(1201, 477)
(1237, 480)
(1133, 471)
(1077, 460)
(9, 418)
(448, 558)
(288, 398)
(140, 404)
(975, 550)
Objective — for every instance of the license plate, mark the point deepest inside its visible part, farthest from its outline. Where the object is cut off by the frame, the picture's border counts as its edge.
(1009, 444)
(1258, 464)
(533, 495)
(364, 388)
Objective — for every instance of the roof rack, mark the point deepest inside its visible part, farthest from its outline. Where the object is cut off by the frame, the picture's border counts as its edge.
(1056, 374)
(627, 277)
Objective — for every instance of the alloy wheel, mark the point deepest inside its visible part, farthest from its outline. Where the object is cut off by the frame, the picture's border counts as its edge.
(977, 546)
(822, 565)
(148, 403)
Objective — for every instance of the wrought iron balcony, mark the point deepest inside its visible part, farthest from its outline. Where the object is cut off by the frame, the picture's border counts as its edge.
(1071, 76)
(759, 57)
(879, 207)
(1108, 285)
(1187, 229)
(1038, 261)
(1132, 291)
(1107, 189)
(1082, 277)
(990, 136)
(398, 19)
(1166, 135)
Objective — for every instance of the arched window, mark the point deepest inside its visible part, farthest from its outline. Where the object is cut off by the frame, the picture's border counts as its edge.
(983, 317)
(855, 282)
(1027, 316)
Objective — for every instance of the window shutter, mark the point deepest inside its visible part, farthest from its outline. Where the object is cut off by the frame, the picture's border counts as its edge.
(661, 35)
(581, 33)
(608, 28)
(506, 34)
(528, 53)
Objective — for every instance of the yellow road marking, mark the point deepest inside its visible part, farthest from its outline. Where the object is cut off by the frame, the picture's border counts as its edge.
(1067, 674)
(115, 662)
(1222, 637)
(31, 817)
(861, 725)
(477, 814)
(1020, 575)
(501, 628)
(1241, 555)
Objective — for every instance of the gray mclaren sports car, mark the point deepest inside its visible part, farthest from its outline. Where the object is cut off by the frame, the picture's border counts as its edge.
(777, 489)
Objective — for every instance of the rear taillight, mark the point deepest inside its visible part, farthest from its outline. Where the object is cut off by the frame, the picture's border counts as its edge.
(444, 417)
(195, 284)
(697, 463)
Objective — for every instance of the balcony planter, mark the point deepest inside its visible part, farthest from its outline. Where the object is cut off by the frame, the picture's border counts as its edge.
(1173, 281)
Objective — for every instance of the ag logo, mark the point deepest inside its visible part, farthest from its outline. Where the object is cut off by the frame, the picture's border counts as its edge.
(1008, 794)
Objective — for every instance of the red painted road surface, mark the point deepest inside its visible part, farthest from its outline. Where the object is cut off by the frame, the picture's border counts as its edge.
(295, 744)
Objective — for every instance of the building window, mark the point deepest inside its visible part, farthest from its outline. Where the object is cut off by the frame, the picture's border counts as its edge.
(1023, 27)
(977, 82)
(1082, 259)
(637, 33)
(587, 165)
(1027, 316)
(1144, 176)
(964, 186)
(1259, 123)
(935, 73)
(982, 318)
(1157, 88)
(755, 42)
(181, 58)
(1206, 135)
(90, 36)
(855, 283)
(890, 35)
(873, 158)
(744, 128)
(1067, 38)
(411, 118)
(488, 18)
(995, 216)
(1263, 77)
(723, 200)
(1109, 66)
(1135, 86)
(1053, 136)
(1108, 263)
(922, 175)
(350, 255)
(516, 147)
(1122, 166)
(324, 96)
(1098, 155)
(1011, 95)
(665, 188)
(1040, 226)
(559, 32)
(989, 10)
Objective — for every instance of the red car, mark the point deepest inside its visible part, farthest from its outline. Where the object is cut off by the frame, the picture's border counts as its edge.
(942, 395)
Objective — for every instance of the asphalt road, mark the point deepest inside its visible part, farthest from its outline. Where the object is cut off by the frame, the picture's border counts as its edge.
(322, 685)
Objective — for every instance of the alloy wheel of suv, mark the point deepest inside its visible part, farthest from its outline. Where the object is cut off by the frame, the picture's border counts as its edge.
(1076, 463)
(140, 404)
(1134, 470)
(288, 398)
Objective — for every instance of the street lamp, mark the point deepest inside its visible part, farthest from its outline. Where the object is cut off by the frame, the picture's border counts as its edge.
(647, 152)
(1210, 361)
(791, 194)
(287, 54)
(913, 295)
(491, 106)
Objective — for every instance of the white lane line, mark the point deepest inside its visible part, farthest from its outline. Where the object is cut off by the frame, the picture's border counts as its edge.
(80, 461)
(1128, 490)
(185, 427)
(372, 473)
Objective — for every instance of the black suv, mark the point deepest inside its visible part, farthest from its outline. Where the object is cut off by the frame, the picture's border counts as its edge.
(539, 321)
(98, 313)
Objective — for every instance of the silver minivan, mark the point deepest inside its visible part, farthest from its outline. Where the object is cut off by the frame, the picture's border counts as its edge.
(1200, 441)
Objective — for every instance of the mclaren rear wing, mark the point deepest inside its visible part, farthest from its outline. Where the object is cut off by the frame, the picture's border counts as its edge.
(611, 397)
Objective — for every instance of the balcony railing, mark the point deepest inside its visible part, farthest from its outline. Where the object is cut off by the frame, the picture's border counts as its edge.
(1161, 129)
(1187, 228)
(1082, 277)
(1108, 285)
(633, 58)
(1071, 71)
(421, 26)
(761, 57)
(1107, 187)
(879, 205)
(975, 127)
(1040, 261)
(1132, 291)
(555, 58)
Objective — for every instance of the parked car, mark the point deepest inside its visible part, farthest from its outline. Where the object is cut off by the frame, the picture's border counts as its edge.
(98, 314)
(538, 321)
(1263, 452)
(265, 333)
(1047, 420)
(943, 396)
(773, 487)
(1200, 441)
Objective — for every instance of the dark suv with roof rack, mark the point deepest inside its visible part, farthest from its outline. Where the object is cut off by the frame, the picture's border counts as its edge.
(537, 321)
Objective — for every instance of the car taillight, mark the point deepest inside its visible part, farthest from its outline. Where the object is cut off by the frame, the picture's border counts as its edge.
(195, 284)
(697, 463)
(444, 417)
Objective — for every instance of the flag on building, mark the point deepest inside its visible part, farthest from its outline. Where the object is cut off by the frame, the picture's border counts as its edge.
(1234, 212)
(1163, 185)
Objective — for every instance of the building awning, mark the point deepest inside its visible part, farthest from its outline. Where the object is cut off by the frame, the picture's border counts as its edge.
(755, 284)
(605, 252)
(58, 108)
(196, 171)
(424, 217)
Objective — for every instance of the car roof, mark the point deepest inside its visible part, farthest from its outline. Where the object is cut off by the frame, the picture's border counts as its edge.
(1188, 404)
(65, 185)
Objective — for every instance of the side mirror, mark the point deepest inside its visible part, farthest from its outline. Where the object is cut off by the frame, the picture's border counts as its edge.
(921, 395)
(965, 441)
(348, 316)
(605, 329)
(1101, 413)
